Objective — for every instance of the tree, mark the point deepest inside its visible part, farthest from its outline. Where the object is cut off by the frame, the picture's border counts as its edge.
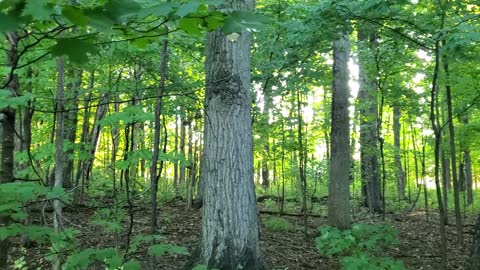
(398, 160)
(339, 185)
(230, 238)
(369, 137)
(7, 127)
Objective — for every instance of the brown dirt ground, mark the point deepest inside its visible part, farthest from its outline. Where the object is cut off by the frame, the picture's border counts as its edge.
(285, 250)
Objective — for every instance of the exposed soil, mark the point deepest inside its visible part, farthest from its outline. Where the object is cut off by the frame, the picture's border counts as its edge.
(419, 248)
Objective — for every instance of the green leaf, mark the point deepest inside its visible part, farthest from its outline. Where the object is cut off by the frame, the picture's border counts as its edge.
(77, 50)
(188, 7)
(121, 10)
(131, 265)
(75, 15)
(40, 10)
(7, 100)
(238, 21)
(160, 10)
(192, 26)
(8, 23)
(215, 20)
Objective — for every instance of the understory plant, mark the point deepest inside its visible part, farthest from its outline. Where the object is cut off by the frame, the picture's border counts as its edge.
(360, 248)
(16, 197)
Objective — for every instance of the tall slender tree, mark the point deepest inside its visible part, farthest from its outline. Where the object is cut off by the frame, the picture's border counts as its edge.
(339, 185)
(369, 137)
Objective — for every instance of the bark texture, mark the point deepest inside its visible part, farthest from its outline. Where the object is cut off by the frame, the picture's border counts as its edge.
(339, 185)
(230, 238)
(7, 131)
(473, 263)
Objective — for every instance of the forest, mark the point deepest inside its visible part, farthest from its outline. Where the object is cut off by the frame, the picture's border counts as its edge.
(239, 134)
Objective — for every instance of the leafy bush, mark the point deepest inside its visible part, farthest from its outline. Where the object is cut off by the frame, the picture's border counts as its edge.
(359, 247)
(278, 224)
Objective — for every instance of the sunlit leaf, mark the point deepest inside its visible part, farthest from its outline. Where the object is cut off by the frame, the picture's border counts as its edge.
(191, 25)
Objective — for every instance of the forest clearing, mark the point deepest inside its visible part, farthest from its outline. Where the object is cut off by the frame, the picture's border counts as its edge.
(239, 134)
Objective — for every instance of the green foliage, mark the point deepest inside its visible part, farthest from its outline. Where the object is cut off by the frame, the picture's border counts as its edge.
(110, 219)
(243, 20)
(108, 256)
(7, 100)
(13, 196)
(359, 247)
(20, 264)
(112, 257)
(278, 224)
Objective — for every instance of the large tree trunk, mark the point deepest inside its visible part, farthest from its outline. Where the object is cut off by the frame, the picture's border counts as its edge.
(339, 185)
(230, 236)
(7, 131)
(473, 262)
(369, 137)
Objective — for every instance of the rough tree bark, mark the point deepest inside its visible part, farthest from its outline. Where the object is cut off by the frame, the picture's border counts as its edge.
(7, 123)
(230, 236)
(473, 262)
(339, 185)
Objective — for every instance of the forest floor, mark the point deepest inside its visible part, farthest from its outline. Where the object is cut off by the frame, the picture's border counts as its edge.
(419, 248)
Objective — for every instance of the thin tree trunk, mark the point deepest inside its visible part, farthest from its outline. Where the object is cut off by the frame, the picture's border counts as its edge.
(70, 120)
(302, 154)
(438, 138)
(339, 184)
(453, 154)
(468, 176)
(59, 153)
(154, 174)
(398, 159)
(175, 163)
(183, 134)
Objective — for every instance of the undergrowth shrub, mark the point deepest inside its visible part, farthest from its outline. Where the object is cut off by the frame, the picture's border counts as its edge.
(14, 197)
(361, 247)
(278, 224)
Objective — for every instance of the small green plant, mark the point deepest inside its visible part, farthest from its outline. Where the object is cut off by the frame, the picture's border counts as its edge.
(110, 219)
(20, 264)
(278, 224)
(359, 248)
